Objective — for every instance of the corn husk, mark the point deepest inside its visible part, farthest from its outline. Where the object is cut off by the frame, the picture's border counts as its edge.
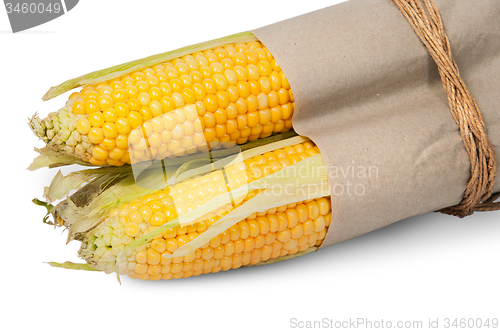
(48, 157)
(108, 191)
(130, 67)
(312, 184)
(100, 190)
(73, 266)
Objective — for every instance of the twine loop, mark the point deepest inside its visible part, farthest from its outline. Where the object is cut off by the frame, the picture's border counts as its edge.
(478, 196)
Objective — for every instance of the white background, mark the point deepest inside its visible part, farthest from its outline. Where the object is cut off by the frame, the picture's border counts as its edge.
(432, 266)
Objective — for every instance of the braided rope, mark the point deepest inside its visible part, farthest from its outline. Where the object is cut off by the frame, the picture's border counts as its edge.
(428, 25)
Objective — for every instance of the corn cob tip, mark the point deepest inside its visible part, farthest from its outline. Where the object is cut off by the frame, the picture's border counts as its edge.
(37, 127)
(60, 132)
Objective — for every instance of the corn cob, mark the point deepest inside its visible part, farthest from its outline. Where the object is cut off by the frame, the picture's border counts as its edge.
(238, 91)
(277, 232)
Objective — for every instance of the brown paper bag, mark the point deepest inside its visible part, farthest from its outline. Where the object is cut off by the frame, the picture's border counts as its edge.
(368, 93)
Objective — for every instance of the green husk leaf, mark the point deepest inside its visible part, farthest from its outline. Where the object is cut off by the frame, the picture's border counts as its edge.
(246, 153)
(91, 204)
(110, 187)
(298, 189)
(50, 158)
(148, 237)
(129, 67)
(83, 216)
(73, 266)
(260, 203)
(236, 194)
(189, 166)
(211, 205)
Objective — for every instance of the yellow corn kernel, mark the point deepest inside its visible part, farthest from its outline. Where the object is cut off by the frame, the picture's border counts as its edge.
(262, 236)
(239, 90)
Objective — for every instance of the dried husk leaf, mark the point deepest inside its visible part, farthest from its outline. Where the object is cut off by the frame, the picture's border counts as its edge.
(73, 266)
(61, 185)
(313, 185)
(83, 217)
(245, 154)
(48, 157)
